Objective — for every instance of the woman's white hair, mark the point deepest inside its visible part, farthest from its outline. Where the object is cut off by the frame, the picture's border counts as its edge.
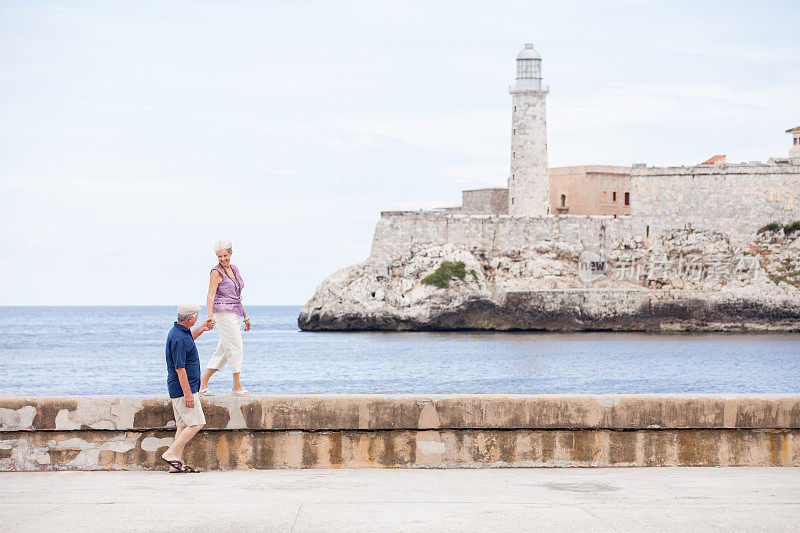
(223, 244)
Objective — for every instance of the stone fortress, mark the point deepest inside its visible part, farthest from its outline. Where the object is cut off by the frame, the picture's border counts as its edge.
(535, 190)
(705, 247)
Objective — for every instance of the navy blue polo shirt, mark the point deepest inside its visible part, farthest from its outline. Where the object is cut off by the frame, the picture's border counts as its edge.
(182, 353)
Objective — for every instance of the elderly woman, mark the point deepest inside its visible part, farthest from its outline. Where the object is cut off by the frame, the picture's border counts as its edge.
(224, 304)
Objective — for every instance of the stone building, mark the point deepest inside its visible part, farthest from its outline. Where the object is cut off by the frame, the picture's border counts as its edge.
(493, 200)
(794, 151)
(579, 190)
(590, 190)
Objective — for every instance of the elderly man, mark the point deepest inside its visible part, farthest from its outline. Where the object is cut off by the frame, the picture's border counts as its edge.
(183, 382)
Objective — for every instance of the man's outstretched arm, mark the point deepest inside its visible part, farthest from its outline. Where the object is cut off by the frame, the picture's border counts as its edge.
(207, 325)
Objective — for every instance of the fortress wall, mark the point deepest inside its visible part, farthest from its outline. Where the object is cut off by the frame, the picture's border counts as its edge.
(737, 199)
(413, 431)
(397, 231)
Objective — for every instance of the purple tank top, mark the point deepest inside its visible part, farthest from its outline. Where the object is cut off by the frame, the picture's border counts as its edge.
(229, 292)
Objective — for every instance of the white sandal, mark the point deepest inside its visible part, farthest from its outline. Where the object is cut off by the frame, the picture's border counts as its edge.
(206, 392)
(240, 392)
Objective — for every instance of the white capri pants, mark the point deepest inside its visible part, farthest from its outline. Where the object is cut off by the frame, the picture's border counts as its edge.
(230, 347)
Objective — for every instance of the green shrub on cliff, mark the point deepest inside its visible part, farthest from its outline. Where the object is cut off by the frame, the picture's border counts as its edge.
(448, 269)
(776, 226)
(792, 278)
(771, 227)
(790, 228)
(786, 274)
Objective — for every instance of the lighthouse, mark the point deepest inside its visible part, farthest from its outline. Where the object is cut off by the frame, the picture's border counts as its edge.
(528, 189)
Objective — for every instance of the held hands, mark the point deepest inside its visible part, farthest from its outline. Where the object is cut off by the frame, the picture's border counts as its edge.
(247, 324)
(199, 329)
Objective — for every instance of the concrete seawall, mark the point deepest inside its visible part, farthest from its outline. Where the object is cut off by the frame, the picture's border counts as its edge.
(458, 431)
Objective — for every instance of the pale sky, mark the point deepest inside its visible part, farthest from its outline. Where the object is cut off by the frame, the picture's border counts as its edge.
(135, 134)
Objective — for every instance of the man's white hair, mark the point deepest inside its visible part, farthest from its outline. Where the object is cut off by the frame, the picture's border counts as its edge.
(184, 318)
(223, 244)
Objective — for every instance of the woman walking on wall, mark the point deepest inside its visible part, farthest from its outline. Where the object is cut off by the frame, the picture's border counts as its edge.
(224, 305)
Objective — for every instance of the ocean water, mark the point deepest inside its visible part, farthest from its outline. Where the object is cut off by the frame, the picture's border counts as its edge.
(120, 350)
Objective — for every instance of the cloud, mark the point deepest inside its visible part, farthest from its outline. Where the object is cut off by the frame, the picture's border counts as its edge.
(633, 105)
(477, 173)
(476, 133)
(752, 52)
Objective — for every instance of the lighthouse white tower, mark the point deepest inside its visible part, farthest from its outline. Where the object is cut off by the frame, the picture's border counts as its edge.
(528, 187)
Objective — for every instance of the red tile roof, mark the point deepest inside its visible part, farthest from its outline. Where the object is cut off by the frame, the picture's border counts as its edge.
(713, 160)
(793, 130)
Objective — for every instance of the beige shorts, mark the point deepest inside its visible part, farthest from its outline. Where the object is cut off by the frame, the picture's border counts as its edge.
(185, 416)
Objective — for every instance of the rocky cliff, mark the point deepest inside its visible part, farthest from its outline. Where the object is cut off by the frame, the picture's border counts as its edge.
(680, 280)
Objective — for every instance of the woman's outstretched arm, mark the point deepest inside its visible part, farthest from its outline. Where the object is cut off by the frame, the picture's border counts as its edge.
(216, 277)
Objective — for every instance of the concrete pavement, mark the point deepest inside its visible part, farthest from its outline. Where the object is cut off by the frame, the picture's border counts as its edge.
(609, 499)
